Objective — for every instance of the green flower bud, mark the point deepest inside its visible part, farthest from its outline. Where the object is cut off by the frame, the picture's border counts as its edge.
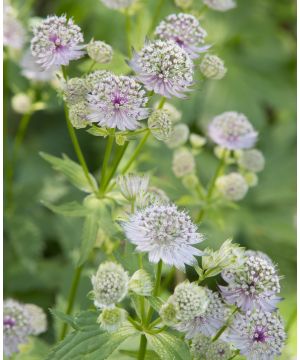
(233, 186)
(111, 319)
(213, 67)
(160, 124)
(168, 313)
(197, 141)
(21, 103)
(99, 51)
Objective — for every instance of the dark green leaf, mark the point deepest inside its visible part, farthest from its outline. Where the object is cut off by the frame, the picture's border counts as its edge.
(65, 318)
(89, 234)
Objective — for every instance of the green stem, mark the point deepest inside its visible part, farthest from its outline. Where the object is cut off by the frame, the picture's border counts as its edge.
(155, 322)
(225, 326)
(143, 347)
(71, 299)
(156, 289)
(127, 31)
(108, 149)
(156, 15)
(91, 67)
(21, 134)
(161, 103)
(236, 353)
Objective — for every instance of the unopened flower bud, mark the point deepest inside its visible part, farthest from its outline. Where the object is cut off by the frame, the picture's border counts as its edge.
(251, 179)
(232, 186)
(197, 141)
(132, 184)
(179, 136)
(141, 283)
(21, 103)
(160, 124)
(190, 181)
(111, 319)
(175, 114)
(252, 160)
(77, 115)
(99, 51)
(184, 4)
(183, 162)
(220, 5)
(74, 90)
(38, 319)
(168, 313)
(213, 67)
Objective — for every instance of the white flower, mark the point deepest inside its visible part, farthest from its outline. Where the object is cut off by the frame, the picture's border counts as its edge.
(110, 285)
(118, 4)
(141, 283)
(175, 114)
(99, 51)
(232, 186)
(13, 30)
(38, 318)
(21, 103)
(74, 90)
(252, 160)
(203, 348)
(78, 115)
(213, 67)
(166, 233)
(132, 184)
(33, 71)
(220, 5)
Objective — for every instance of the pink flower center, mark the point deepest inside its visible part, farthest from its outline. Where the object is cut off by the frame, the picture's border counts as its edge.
(259, 335)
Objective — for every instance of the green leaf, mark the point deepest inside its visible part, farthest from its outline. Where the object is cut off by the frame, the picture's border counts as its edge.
(72, 171)
(89, 342)
(169, 347)
(96, 131)
(155, 302)
(89, 234)
(72, 208)
(65, 318)
(150, 354)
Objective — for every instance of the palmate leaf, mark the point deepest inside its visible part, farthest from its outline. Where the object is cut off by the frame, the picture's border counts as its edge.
(89, 342)
(72, 171)
(168, 346)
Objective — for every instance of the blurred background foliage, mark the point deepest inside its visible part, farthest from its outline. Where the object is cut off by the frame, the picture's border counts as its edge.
(257, 40)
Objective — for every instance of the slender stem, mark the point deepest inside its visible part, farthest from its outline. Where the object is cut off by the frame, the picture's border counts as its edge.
(235, 354)
(21, 133)
(78, 149)
(156, 15)
(156, 289)
(127, 31)
(108, 149)
(71, 299)
(161, 103)
(91, 67)
(225, 326)
(143, 347)
(155, 322)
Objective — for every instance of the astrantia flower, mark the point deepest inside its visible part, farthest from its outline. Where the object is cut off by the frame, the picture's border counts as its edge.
(203, 348)
(233, 186)
(13, 30)
(56, 41)
(175, 114)
(111, 319)
(93, 78)
(117, 102)
(78, 115)
(16, 326)
(254, 287)
(38, 319)
(160, 124)
(260, 254)
(258, 335)
(190, 300)
(166, 233)
(179, 136)
(164, 67)
(232, 130)
(150, 197)
(21, 103)
(185, 30)
(74, 90)
(132, 184)
(213, 67)
(252, 160)
(168, 313)
(110, 285)
(210, 321)
(99, 51)
(183, 162)
(118, 4)
(220, 5)
(33, 71)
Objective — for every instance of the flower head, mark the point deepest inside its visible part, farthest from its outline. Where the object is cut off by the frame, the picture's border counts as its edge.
(166, 233)
(78, 115)
(168, 313)
(152, 196)
(132, 184)
(175, 114)
(213, 67)
(99, 51)
(179, 136)
(56, 41)
(93, 78)
(185, 31)
(160, 124)
(33, 71)
(233, 186)
(13, 30)
(16, 326)
(258, 335)
(111, 319)
(117, 102)
(220, 5)
(21, 103)
(38, 319)
(164, 67)
(110, 285)
(183, 162)
(210, 321)
(232, 130)
(74, 90)
(255, 286)
(252, 160)
(203, 348)
(118, 4)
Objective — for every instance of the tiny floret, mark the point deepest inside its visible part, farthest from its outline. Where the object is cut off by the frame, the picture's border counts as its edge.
(166, 233)
(232, 187)
(118, 4)
(179, 136)
(183, 162)
(38, 319)
(132, 184)
(197, 141)
(164, 67)
(258, 335)
(160, 124)
(117, 102)
(220, 5)
(185, 31)
(233, 131)
(110, 285)
(252, 160)
(57, 41)
(152, 196)
(213, 67)
(255, 286)
(99, 52)
(111, 319)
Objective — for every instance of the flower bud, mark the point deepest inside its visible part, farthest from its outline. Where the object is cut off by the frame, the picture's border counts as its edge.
(251, 179)
(168, 313)
(38, 319)
(197, 141)
(175, 114)
(179, 136)
(252, 160)
(220, 5)
(74, 90)
(99, 51)
(232, 186)
(111, 319)
(184, 4)
(213, 67)
(190, 181)
(21, 103)
(160, 124)
(183, 162)
(141, 283)
(132, 184)
(77, 115)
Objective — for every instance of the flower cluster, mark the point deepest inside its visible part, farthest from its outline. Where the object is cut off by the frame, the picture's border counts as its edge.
(183, 162)
(160, 124)
(99, 52)
(213, 67)
(203, 348)
(131, 185)
(233, 186)
(220, 5)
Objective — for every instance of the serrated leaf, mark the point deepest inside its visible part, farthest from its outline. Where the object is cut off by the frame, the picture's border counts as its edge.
(72, 171)
(155, 302)
(72, 208)
(89, 235)
(89, 342)
(169, 347)
(64, 318)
